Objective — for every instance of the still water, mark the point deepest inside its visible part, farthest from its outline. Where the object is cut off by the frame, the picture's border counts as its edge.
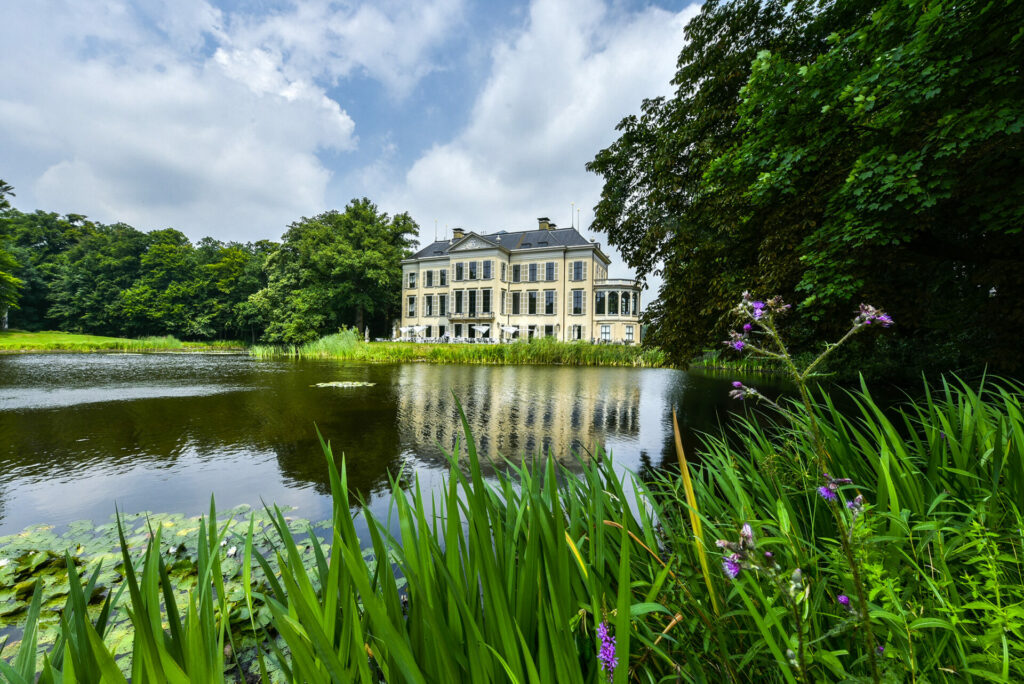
(83, 433)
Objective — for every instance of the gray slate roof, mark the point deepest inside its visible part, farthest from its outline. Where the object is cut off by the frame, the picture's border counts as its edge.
(524, 239)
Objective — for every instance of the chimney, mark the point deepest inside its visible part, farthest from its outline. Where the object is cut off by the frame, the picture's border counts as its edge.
(458, 233)
(545, 224)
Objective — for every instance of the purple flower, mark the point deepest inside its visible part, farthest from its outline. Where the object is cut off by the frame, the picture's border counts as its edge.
(738, 345)
(758, 309)
(747, 327)
(844, 600)
(746, 537)
(884, 319)
(826, 493)
(737, 384)
(769, 555)
(880, 650)
(607, 652)
(856, 505)
(869, 314)
(731, 565)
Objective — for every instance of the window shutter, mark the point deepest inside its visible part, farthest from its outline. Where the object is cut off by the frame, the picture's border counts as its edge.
(584, 270)
(584, 297)
(556, 271)
(556, 296)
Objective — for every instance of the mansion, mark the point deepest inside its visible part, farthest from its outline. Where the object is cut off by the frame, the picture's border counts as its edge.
(549, 282)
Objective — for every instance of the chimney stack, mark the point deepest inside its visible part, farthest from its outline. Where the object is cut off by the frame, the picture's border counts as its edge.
(545, 223)
(458, 233)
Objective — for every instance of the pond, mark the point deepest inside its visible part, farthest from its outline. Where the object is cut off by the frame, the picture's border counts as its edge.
(83, 433)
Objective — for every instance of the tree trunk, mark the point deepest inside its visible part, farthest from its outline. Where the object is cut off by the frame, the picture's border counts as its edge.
(3, 319)
(359, 319)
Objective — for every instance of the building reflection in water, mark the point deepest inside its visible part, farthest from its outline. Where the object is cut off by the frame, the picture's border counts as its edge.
(516, 412)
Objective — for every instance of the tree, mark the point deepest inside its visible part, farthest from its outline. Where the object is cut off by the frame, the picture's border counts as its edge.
(900, 153)
(10, 284)
(653, 207)
(876, 158)
(337, 268)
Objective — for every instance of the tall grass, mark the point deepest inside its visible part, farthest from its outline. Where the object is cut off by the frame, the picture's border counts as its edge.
(347, 346)
(508, 579)
(15, 341)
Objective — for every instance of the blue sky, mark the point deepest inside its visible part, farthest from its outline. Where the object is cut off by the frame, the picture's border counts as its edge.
(234, 118)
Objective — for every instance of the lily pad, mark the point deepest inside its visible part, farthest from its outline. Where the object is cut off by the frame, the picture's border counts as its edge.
(344, 383)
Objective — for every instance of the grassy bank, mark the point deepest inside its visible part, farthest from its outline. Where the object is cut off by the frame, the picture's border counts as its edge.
(20, 341)
(347, 346)
(751, 566)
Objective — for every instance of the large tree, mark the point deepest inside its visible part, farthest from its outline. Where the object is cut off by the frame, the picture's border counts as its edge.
(335, 269)
(858, 151)
(10, 284)
(653, 206)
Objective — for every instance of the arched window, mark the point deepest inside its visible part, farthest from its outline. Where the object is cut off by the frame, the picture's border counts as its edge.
(625, 303)
(613, 303)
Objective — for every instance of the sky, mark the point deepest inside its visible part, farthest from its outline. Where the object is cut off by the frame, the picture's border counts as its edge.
(233, 119)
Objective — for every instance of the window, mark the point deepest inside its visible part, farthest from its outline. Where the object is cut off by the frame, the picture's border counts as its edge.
(472, 302)
(458, 301)
(458, 330)
(599, 303)
(430, 329)
(606, 333)
(549, 271)
(549, 302)
(613, 303)
(577, 302)
(531, 302)
(636, 306)
(412, 279)
(472, 270)
(428, 306)
(430, 279)
(488, 265)
(442, 305)
(504, 272)
(444, 277)
(412, 307)
(625, 303)
(578, 270)
(629, 333)
(515, 303)
(504, 304)
(440, 331)
(549, 331)
(459, 272)
(577, 332)
(533, 273)
(485, 304)
(516, 273)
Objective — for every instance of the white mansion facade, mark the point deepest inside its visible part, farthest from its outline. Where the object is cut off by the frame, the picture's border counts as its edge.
(549, 282)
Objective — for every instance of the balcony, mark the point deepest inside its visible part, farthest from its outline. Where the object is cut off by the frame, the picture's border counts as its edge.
(617, 283)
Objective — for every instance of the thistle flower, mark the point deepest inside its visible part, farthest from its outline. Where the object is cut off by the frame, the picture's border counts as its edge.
(843, 600)
(746, 537)
(869, 314)
(738, 345)
(827, 493)
(606, 654)
(747, 327)
(880, 650)
(731, 565)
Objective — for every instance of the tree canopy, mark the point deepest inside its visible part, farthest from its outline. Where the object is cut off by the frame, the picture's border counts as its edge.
(336, 269)
(835, 153)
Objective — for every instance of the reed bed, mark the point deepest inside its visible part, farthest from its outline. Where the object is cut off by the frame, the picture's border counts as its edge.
(346, 346)
(732, 568)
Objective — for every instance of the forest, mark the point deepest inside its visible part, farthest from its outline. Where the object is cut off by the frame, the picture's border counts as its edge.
(334, 270)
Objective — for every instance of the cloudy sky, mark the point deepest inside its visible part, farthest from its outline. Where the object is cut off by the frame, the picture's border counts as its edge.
(233, 118)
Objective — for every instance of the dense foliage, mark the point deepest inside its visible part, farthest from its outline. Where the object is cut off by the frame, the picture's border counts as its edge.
(517, 578)
(75, 275)
(835, 152)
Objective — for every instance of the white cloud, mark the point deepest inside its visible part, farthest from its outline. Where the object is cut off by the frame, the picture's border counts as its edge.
(390, 41)
(169, 113)
(555, 94)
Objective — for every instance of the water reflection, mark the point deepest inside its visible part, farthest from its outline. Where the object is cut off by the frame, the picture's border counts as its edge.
(79, 433)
